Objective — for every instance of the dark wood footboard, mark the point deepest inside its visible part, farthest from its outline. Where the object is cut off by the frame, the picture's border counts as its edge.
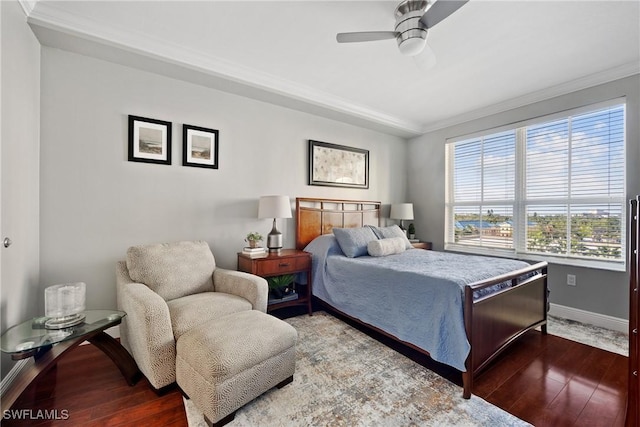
(494, 321)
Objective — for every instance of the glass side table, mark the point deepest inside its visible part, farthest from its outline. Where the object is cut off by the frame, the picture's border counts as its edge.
(31, 338)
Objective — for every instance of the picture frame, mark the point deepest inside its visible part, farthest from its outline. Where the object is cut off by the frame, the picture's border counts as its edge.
(336, 165)
(149, 140)
(199, 147)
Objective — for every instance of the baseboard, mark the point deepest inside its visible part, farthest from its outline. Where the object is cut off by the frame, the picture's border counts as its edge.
(596, 319)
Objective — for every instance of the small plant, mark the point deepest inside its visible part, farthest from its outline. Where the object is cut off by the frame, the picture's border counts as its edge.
(412, 229)
(254, 236)
(277, 282)
(280, 286)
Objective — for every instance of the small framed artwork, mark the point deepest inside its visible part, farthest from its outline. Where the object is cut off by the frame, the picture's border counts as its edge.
(199, 147)
(149, 140)
(337, 165)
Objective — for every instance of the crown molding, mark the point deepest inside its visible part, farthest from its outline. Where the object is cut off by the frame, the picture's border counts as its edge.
(585, 82)
(56, 21)
(27, 6)
(131, 48)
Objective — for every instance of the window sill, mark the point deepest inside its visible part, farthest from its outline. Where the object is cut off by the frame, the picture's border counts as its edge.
(505, 253)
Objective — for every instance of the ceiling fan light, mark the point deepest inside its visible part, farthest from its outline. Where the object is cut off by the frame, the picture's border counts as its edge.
(412, 46)
(412, 36)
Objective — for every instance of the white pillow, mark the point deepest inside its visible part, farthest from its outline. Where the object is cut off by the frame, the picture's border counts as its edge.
(392, 231)
(384, 247)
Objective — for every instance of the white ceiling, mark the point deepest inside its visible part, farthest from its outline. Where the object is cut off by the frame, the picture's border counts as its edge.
(491, 55)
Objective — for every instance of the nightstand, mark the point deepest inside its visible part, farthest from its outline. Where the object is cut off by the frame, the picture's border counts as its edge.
(423, 245)
(288, 261)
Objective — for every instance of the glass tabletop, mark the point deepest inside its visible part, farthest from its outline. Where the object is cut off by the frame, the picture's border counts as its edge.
(33, 335)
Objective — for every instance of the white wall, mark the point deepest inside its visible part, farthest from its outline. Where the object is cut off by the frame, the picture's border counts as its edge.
(20, 118)
(95, 204)
(598, 291)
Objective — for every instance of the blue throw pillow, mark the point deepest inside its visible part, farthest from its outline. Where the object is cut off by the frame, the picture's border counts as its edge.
(354, 241)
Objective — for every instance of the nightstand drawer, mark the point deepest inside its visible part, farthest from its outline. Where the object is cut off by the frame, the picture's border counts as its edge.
(277, 266)
(303, 263)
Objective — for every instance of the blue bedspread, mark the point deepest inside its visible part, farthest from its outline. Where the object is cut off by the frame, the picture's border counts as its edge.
(416, 296)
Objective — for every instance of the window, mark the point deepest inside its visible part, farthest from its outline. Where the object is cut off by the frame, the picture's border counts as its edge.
(550, 187)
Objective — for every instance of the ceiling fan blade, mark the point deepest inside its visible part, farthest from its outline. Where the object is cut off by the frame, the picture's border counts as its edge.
(365, 36)
(439, 11)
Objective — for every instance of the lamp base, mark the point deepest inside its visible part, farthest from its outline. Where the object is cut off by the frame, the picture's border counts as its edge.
(274, 242)
(274, 239)
(65, 321)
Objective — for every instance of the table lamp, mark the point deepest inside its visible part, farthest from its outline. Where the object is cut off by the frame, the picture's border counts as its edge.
(274, 207)
(401, 211)
(63, 304)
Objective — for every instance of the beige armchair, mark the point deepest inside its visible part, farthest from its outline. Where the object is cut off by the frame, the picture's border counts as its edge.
(168, 289)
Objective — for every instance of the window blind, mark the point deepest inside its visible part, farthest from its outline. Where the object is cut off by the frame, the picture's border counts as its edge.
(554, 187)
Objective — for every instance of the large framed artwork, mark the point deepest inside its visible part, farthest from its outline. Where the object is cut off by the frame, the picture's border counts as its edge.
(149, 140)
(199, 147)
(337, 165)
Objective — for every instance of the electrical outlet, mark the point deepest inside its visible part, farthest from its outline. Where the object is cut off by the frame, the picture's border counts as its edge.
(571, 279)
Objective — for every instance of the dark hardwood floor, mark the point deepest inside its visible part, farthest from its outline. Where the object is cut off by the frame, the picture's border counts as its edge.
(87, 389)
(545, 380)
(551, 381)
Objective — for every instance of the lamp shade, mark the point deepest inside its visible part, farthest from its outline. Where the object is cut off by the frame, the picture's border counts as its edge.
(274, 207)
(401, 211)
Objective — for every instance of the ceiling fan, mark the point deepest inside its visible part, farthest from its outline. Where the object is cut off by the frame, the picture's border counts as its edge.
(413, 20)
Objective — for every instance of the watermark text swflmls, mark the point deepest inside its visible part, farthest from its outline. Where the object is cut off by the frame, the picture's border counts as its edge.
(35, 414)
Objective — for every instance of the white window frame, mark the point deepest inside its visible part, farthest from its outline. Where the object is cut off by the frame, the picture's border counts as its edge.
(520, 203)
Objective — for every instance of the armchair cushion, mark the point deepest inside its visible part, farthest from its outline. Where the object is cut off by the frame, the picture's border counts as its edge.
(193, 310)
(173, 270)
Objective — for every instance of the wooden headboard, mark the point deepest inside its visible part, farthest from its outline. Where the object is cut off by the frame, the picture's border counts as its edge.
(315, 217)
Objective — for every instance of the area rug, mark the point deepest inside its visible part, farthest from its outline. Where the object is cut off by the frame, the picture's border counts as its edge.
(605, 339)
(346, 378)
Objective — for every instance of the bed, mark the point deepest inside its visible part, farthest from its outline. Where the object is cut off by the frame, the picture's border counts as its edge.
(461, 310)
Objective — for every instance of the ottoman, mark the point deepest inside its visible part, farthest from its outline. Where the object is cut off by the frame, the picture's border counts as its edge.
(225, 363)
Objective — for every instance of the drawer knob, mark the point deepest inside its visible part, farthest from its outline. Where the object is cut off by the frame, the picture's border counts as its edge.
(283, 264)
(635, 373)
(635, 331)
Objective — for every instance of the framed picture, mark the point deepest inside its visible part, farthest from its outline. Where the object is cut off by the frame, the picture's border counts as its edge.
(149, 140)
(338, 166)
(199, 147)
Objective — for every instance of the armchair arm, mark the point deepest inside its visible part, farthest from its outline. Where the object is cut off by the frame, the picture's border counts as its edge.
(248, 286)
(146, 329)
